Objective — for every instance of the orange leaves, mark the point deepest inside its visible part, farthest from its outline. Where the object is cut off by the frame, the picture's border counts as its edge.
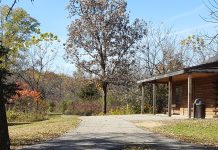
(24, 92)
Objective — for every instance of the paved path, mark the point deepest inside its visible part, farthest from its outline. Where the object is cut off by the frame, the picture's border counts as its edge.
(112, 132)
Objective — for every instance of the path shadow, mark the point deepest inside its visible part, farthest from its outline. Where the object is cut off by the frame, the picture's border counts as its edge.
(115, 141)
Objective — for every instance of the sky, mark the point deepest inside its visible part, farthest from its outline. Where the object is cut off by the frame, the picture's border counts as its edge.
(182, 15)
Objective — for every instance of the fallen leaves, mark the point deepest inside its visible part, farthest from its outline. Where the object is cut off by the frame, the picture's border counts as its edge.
(41, 131)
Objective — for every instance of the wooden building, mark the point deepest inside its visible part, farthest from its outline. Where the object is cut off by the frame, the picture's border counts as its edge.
(186, 85)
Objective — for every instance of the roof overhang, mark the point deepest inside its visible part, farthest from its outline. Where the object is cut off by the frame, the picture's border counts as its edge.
(203, 70)
(181, 75)
(167, 75)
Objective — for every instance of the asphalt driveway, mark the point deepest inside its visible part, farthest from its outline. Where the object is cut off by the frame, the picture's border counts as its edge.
(113, 132)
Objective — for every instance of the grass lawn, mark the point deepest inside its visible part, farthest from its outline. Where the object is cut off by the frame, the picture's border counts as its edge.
(40, 131)
(196, 131)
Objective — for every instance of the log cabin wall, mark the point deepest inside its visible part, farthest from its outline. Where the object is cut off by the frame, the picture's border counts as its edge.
(204, 88)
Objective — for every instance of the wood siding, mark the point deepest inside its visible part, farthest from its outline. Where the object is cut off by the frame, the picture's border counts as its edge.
(204, 88)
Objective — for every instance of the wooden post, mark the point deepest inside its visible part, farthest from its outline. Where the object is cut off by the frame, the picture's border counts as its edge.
(143, 99)
(189, 95)
(154, 98)
(170, 96)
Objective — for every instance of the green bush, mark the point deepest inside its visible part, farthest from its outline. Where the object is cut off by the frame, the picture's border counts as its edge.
(63, 107)
(89, 92)
(28, 105)
(125, 110)
(37, 117)
(66, 107)
(148, 108)
(68, 112)
(14, 116)
(52, 106)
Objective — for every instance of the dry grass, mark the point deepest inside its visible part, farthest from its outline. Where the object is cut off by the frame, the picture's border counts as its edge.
(203, 132)
(193, 131)
(40, 131)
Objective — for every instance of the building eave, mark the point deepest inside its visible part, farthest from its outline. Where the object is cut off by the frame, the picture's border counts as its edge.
(167, 75)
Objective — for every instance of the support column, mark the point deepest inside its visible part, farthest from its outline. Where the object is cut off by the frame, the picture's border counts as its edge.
(143, 99)
(189, 95)
(154, 98)
(170, 96)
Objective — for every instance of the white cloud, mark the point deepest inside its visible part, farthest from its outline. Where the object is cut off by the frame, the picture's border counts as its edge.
(195, 29)
(186, 14)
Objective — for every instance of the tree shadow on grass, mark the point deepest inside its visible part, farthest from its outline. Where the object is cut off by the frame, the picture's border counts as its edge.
(17, 123)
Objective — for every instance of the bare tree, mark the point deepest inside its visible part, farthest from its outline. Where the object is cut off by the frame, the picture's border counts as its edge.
(101, 40)
(159, 52)
(212, 6)
(195, 50)
(36, 63)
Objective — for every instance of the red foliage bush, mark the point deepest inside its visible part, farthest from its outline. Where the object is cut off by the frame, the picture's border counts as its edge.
(24, 92)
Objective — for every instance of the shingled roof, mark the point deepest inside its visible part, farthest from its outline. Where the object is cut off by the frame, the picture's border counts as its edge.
(209, 66)
(212, 59)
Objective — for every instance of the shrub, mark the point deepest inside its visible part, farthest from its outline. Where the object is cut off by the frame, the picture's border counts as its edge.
(28, 105)
(68, 112)
(37, 117)
(82, 107)
(148, 108)
(43, 106)
(52, 106)
(63, 107)
(14, 116)
(66, 106)
(86, 108)
(125, 110)
(89, 92)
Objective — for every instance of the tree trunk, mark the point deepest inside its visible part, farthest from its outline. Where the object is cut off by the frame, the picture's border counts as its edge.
(4, 135)
(105, 97)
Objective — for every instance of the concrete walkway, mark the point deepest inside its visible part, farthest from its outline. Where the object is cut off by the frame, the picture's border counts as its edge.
(112, 132)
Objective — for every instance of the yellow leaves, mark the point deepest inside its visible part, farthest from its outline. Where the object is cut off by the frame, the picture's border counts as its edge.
(17, 28)
(40, 37)
(38, 31)
(197, 43)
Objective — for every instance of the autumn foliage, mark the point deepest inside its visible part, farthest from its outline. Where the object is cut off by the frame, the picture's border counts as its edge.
(24, 92)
